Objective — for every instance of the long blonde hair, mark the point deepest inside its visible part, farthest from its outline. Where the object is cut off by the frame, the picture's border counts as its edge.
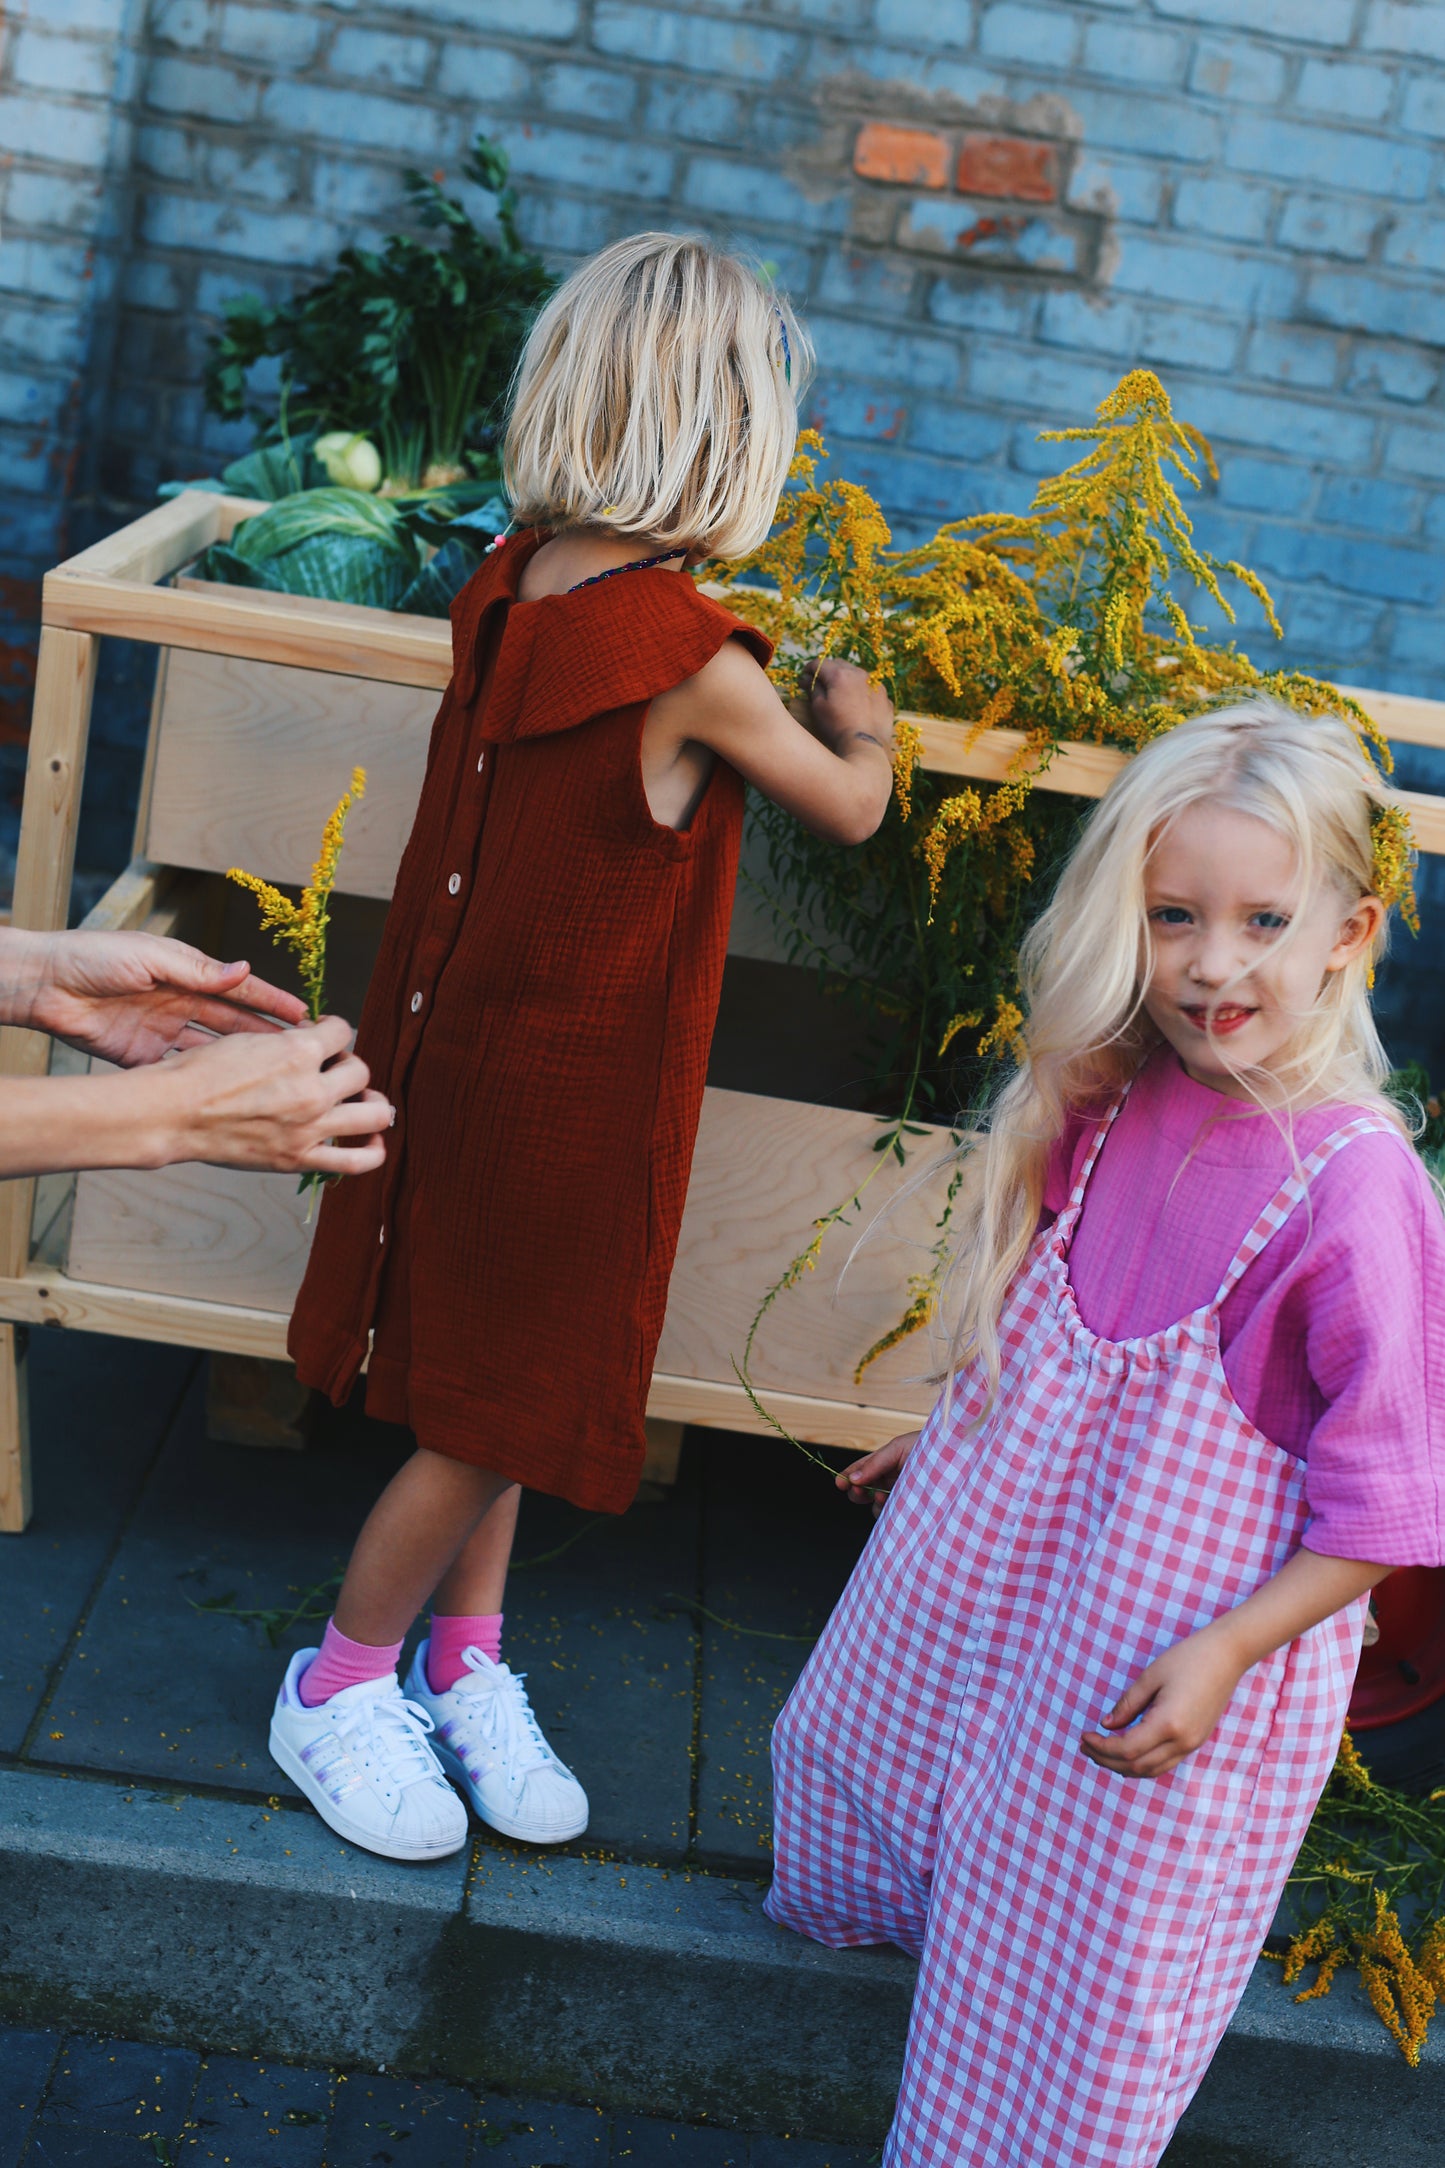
(1085, 963)
(657, 397)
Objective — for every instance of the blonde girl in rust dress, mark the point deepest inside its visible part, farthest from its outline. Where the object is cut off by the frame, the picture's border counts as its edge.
(1064, 1732)
(540, 1016)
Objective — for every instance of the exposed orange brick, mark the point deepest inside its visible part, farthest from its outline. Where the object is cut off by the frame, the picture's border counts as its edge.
(915, 157)
(996, 165)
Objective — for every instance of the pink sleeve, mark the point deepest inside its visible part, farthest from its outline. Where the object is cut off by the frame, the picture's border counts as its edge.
(1066, 1158)
(1371, 1286)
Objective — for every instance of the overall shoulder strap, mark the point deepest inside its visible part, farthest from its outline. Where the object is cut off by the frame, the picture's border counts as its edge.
(1291, 1193)
(1076, 1199)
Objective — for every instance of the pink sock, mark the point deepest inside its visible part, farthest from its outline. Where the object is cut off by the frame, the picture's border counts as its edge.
(340, 1663)
(449, 1636)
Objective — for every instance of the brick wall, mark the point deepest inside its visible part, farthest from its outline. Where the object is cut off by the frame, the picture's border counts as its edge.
(988, 209)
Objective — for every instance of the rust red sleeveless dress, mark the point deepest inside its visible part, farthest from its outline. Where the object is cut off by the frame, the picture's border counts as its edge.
(540, 1014)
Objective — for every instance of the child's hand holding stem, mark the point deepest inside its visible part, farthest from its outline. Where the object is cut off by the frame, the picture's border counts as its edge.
(868, 1481)
(1176, 1702)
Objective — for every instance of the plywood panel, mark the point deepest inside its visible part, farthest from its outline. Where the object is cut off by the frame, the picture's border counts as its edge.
(251, 757)
(763, 1169)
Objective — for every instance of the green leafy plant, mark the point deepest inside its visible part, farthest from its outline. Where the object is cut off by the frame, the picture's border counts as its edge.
(412, 345)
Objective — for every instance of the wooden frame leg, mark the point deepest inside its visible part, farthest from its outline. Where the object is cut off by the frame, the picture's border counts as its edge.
(664, 1444)
(14, 1431)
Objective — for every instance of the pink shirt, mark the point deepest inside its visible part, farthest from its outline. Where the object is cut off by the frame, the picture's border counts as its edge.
(1334, 1339)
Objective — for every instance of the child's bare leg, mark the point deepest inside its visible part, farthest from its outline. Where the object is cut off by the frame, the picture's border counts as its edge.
(475, 1584)
(422, 1520)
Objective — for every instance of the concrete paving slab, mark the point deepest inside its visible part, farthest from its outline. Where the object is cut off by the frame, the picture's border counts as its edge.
(779, 1543)
(99, 1409)
(124, 2088)
(157, 1687)
(523, 2133)
(609, 1659)
(372, 2116)
(260, 2115)
(25, 2067)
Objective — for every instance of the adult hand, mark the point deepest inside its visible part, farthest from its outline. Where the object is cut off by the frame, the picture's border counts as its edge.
(295, 1100)
(132, 997)
(869, 1480)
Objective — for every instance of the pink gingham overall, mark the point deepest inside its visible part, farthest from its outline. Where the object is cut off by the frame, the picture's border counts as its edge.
(1084, 1937)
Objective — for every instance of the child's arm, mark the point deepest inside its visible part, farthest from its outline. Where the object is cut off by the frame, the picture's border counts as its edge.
(836, 775)
(1182, 1695)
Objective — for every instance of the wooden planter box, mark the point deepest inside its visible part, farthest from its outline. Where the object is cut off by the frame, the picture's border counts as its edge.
(264, 703)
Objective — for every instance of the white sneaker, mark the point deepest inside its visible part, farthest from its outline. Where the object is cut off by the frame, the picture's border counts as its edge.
(362, 1760)
(491, 1745)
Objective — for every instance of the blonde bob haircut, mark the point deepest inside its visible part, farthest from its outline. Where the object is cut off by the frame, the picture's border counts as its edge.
(657, 397)
(1086, 962)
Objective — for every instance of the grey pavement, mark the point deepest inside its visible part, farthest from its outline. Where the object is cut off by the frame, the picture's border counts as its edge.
(161, 1882)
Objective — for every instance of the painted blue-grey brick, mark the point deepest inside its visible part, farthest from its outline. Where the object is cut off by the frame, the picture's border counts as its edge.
(1345, 87)
(182, 22)
(1049, 384)
(1322, 621)
(1416, 242)
(74, 66)
(956, 432)
(380, 56)
(966, 303)
(361, 119)
(903, 356)
(698, 112)
(1011, 30)
(857, 410)
(1177, 338)
(35, 401)
(760, 193)
(1321, 22)
(1231, 210)
(1099, 326)
(1266, 485)
(1414, 448)
(1375, 165)
(1393, 372)
(1171, 269)
(62, 201)
(1239, 70)
(1364, 500)
(668, 38)
(1377, 568)
(45, 270)
(232, 229)
(99, 15)
(1404, 26)
(1133, 53)
(488, 74)
(1330, 225)
(25, 464)
(278, 37)
(537, 19)
(1422, 109)
(578, 160)
(32, 127)
(825, 14)
(1288, 354)
(603, 94)
(349, 190)
(1126, 188)
(201, 90)
(1313, 431)
(914, 71)
(939, 489)
(170, 154)
(41, 337)
(1357, 301)
(270, 173)
(925, 22)
(1166, 128)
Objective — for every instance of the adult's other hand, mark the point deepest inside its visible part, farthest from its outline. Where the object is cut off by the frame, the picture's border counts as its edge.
(132, 997)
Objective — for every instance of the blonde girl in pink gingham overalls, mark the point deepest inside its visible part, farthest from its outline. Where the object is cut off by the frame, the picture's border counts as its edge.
(1066, 1728)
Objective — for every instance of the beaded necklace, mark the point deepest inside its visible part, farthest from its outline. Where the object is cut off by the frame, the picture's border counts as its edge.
(639, 564)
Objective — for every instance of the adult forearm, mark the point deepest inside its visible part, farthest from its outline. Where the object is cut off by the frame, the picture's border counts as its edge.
(1308, 1588)
(125, 1120)
(22, 973)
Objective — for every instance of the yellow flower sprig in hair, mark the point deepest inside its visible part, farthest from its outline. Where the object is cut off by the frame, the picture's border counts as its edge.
(1393, 848)
(302, 927)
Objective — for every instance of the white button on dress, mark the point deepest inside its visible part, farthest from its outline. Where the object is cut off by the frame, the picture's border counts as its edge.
(415, 1003)
(454, 884)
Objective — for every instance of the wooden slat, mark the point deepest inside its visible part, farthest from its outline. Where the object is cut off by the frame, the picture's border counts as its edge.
(819, 1422)
(152, 547)
(15, 1497)
(42, 1297)
(1403, 716)
(1086, 771)
(132, 898)
(219, 620)
(251, 757)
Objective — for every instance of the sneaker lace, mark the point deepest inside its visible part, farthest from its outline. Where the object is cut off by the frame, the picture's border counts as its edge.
(506, 1708)
(395, 1731)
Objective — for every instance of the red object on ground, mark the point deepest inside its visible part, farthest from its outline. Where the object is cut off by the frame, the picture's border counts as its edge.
(540, 1015)
(1405, 1670)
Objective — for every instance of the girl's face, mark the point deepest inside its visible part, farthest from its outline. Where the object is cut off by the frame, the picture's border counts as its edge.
(1225, 988)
